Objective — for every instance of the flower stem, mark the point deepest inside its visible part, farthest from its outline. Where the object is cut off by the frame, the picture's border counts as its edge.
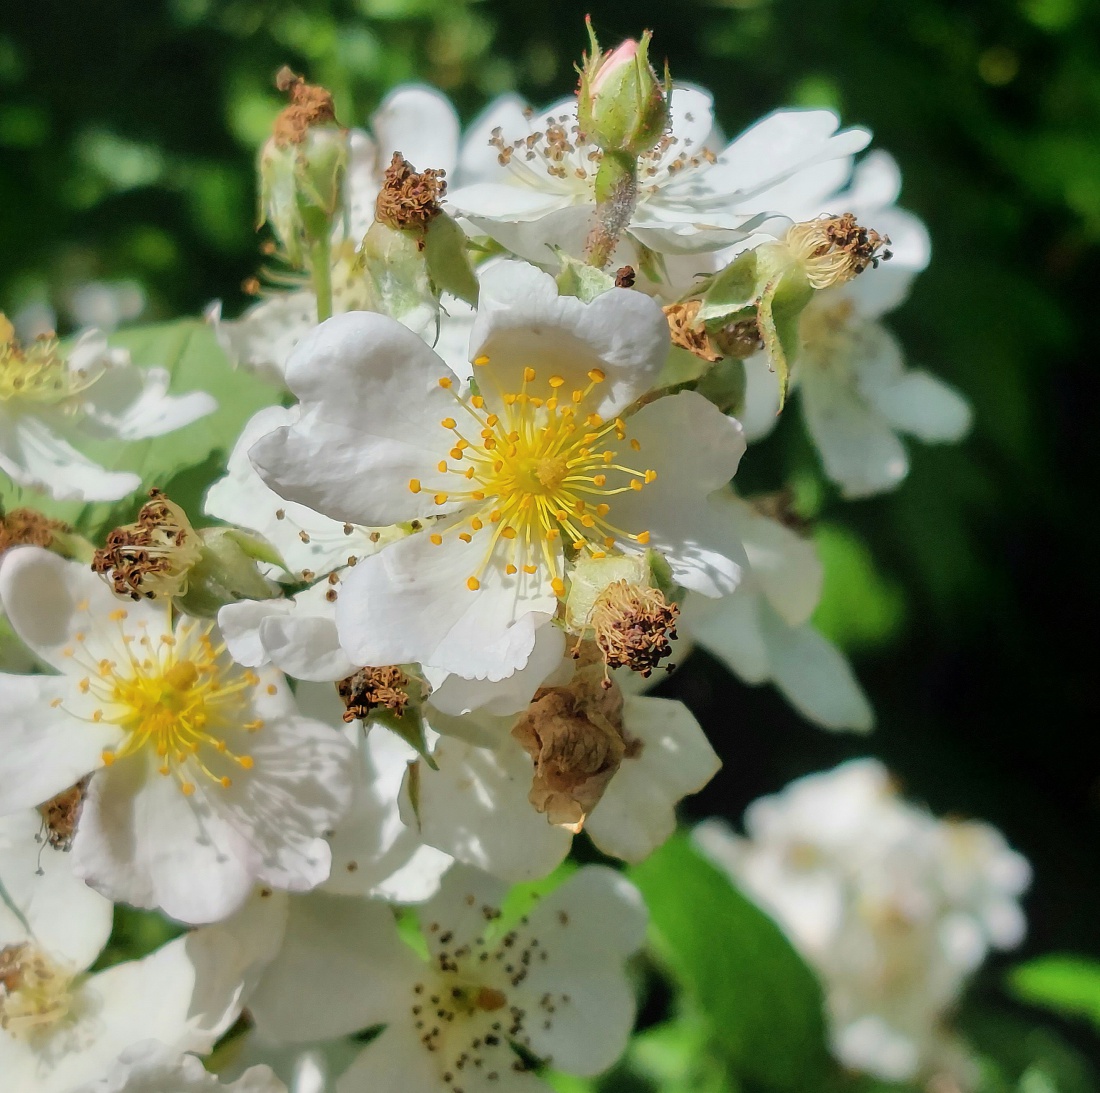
(616, 197)
(320, 262)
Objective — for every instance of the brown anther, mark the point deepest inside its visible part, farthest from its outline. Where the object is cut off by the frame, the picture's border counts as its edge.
(309, 106)
(689, 334)
(625, 277)
(11, 967)
(634, 626)
(26, 527)
(153, 556)
(834, 249)
(61, 814)
(409, 199)
(371, 689)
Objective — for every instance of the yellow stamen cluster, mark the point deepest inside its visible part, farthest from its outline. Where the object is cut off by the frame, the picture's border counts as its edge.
(180, 697)
(34, 991)
(38, 372)
(540, 473)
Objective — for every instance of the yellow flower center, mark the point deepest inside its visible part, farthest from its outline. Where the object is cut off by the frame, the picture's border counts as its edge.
(35, 991)
(541, 471)
(178, 696)
(37, 373)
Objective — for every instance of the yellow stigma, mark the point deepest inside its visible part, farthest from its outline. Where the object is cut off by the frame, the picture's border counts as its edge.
(180, 701)
(539, 472)
(38, 372)
(35, 991)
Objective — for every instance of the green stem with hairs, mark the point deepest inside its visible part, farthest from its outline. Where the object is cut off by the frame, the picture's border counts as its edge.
(616, 198)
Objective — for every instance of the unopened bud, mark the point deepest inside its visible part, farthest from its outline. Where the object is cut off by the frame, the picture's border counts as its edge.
(834, 249)
(226, 572)
(302, 168)
(622, 106)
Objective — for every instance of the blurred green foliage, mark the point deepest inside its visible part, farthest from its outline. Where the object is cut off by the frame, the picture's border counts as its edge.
(127, 138)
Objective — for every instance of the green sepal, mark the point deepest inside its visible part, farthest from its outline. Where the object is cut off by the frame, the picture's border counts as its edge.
(724, 385)
(579, 279)
(410, 727)
(226, 572)
(396, 272)
(448, 259)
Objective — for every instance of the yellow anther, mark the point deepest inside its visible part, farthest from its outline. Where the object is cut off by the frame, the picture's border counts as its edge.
(441, 466)
(636, 445)
(108, 757)
(609, 541)
(556, 381)
(492, 420)
(530, 569)
(528, 374)
(456, 453)
(552, 534)
(603, 510)
(588, 521)
(579, 545)
(594, 420)
(246, 762)
(578, 396)
(481, 360)
(608, 457)
(476, 524)
(225, 781)
(436, 538)
(558, 585)
(445, 381)
(478, 495)
(118, 614)
(599, 554)
(599, 479)
(642, 537)
(552, 403)
(187, 788)
(85, 685)
(596, 375)
(440, 498)
(465, 536)
(477, 402)
(510, 569)
(494, 516)
(636, 483)
(508, 532)
(448, 423)
(473, 584)
(651, 476)
(414, 485)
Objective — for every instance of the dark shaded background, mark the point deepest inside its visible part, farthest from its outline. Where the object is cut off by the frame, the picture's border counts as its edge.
(126, 137)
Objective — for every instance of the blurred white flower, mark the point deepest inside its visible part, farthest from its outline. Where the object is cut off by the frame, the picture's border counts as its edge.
(151, 1068)
(893, 908)
(90, 391)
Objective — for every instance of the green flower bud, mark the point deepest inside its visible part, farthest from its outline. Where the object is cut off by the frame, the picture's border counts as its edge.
(621, 104)
(302, 169)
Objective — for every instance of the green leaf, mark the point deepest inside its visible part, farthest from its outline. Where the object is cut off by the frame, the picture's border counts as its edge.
(449, 259)
(1066, 984)
(762, 1004)
(778, 318)
(189, 350)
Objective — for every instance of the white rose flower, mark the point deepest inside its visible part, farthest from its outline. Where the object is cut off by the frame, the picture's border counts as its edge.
(893, 908)
(60, 1026)
(152, 1068)
(95, 391)
(856, 392)
(420, 123)
(527, 179)
(762, 632)
(551, 982)
(379, 442)
(208, 780)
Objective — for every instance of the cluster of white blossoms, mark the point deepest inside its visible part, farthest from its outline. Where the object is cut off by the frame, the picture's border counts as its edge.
(892, 907)
(518, 367)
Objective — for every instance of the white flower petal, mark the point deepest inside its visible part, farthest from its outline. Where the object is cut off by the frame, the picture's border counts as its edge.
(341, 967)
(263, 338)
(522, 322)
(43, 750)
(475, 808)
(695, 450)
(478, 158)
(410, 603)
(66, 918)
(589, 926)
(729, 628)
(369, 423)
(51, 601)
(150, 1067)
(132, 403)
(637, 812)
(419, 122)
(34, 456)
(919, 403)
(814, 675)
(857, 445)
